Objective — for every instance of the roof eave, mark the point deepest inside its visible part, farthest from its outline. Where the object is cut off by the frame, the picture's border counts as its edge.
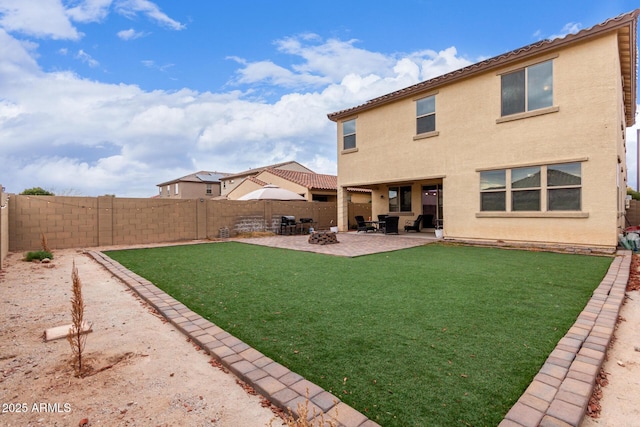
(535, 49)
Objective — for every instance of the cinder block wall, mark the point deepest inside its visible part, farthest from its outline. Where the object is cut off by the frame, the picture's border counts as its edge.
(4, 226)
(77, 222)
(65, 222)
(633, 213)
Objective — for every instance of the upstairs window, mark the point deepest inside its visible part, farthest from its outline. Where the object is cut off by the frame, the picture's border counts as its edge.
(528, 89)
(426, 115)
(209, 189)
(349, 134)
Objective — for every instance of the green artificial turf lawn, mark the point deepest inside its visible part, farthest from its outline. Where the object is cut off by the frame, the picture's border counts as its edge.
(436, 335)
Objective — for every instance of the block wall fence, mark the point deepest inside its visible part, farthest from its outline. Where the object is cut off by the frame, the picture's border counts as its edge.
(78, 222)
(4, 225)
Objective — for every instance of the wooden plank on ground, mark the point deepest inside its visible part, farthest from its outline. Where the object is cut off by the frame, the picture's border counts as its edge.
(62, 331)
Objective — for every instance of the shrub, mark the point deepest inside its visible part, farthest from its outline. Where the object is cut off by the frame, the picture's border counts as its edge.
(39, 255)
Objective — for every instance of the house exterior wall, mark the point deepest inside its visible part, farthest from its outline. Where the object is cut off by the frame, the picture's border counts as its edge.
(285, 183)
(188, 190)
(588, 127)
(245, 187)
(228, 184)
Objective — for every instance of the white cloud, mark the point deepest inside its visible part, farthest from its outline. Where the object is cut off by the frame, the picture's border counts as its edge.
(570, 28)
(130, 34)
(130, 8)
(86, 58)
(62, 131)
(38, 18)
(90, 11)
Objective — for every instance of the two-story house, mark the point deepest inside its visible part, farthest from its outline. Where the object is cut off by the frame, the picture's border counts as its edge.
(528, 146)
(203, 184)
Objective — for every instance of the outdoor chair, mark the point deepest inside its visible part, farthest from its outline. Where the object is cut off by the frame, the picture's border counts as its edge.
(413, 225)
(391, 225)
(416, 225)
(363, 226)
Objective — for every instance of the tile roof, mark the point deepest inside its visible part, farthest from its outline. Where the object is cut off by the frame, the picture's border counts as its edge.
(257, 181)
(313, 181)
(256, 171)
(625, 25)
(201, 176)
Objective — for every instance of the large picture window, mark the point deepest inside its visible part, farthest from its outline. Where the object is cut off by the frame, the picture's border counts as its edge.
(400, 199)
(528, 89)
(523, 189)
(349, 134)
(426, 115)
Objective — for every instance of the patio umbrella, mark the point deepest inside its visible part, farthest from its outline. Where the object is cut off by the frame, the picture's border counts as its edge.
(272, 192)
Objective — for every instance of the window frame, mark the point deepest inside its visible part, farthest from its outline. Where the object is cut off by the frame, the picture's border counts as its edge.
(349, 135)
(403, 198)
(518, 193)
(425, 115)
(553, 188)
(526, 89)
(544, 190)
(493, 190)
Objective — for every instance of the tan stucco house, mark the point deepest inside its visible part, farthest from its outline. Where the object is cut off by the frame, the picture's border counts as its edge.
(314, 187)
(528, 146)
(202, 184)
(231, 181)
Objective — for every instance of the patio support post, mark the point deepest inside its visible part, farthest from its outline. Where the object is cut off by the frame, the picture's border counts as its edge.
(343, 209)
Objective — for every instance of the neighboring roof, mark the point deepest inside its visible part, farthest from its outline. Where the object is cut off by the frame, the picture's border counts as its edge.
(312, 181)
(201, 176)
(257, 181)
(256, 171)
(625, 25)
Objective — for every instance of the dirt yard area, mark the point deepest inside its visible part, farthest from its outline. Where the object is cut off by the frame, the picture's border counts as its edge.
(617, 404)
(143, 371)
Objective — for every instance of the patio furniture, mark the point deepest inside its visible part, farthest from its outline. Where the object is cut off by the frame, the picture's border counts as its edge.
(415, 226)
(363, 225)
(391, 225)
(382, 222)
(287, 224)
(307, 223)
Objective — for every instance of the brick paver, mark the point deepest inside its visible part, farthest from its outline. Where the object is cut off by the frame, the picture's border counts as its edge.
(577, 358)
(557, 397)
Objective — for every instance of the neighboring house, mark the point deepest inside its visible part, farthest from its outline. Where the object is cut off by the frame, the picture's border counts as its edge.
(231, 181)
(528, 146)
(196, 185)
(314, 187)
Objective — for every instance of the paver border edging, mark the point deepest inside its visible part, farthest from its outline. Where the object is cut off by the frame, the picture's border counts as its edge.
(278, 384)
(560, 392)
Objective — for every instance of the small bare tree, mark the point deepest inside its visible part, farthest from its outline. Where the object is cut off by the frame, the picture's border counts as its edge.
(43, 242)
(77, 339)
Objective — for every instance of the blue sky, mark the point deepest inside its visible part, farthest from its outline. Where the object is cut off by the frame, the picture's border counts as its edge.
(115, 96)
